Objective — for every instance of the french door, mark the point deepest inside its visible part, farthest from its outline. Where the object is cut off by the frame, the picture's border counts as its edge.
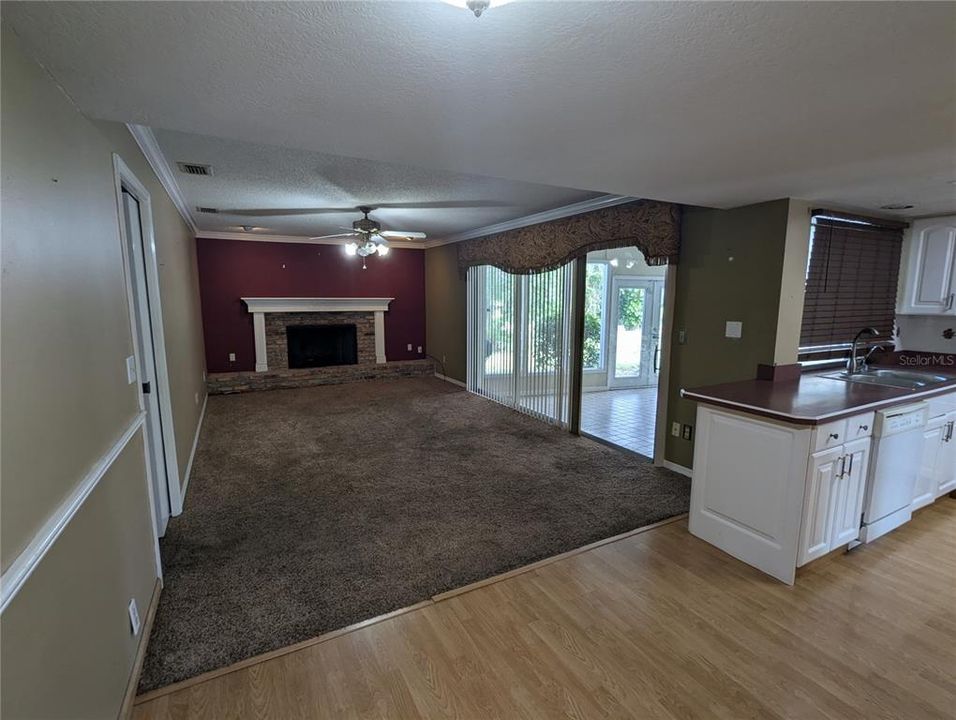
(519, 339)
(634, 332)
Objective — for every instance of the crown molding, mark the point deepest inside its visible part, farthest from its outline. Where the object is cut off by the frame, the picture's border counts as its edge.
(577, 208)
(264, 237)
(157, 161)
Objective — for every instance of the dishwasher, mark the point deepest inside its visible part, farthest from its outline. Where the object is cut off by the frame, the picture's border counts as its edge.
(894, 466)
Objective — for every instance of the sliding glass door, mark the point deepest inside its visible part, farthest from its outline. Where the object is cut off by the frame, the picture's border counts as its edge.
(519, 339)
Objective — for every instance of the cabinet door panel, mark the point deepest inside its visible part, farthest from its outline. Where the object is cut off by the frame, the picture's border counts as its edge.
(929, 282)
(946, 459)
(816, 532)
(847, 508)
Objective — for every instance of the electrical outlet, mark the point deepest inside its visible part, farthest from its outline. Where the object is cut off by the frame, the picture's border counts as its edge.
(443, 359)
(204, 376)
(675, 429)
(232, 357)
(687, 432)
(419, 349)
(131, 369)
(197, 398)
(681, 337)
(409, 347)
(133, 616)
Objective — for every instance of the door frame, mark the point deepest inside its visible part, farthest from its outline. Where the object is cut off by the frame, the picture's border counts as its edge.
(669, 292)
(653, 288)
(153, 319)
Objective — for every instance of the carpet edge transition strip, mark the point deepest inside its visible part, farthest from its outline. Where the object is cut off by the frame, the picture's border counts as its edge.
(332, 634)
(272, 654)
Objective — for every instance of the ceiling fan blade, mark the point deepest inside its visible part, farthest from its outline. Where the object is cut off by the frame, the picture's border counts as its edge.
(403, 234)
(337, 235)
(271, 212)
(440, 204)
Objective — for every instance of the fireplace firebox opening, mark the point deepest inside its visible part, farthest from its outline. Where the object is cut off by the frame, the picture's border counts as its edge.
(321, 345)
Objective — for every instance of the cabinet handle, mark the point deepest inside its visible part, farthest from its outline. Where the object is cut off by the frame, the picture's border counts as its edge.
(949, 431)
(949, 301)
(864, 428)
(834, 436)
(842, 467)
(850, 471)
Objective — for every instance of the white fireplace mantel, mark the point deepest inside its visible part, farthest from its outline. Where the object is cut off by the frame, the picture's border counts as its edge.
(259, 306)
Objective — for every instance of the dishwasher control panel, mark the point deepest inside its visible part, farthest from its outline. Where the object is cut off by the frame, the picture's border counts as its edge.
(901, 419)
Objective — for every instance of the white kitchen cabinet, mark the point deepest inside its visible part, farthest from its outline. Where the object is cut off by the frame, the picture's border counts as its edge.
(817, 521)
(946, 460)
(929, 278)
(833, 504)
(777, 495)
(847, 510)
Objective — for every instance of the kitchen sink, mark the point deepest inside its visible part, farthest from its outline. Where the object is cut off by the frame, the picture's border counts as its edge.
(907, 379)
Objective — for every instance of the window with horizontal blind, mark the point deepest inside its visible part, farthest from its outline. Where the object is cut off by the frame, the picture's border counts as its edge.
(852, 276)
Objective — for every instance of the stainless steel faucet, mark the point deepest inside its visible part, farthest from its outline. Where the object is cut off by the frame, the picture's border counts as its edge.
(853, 363)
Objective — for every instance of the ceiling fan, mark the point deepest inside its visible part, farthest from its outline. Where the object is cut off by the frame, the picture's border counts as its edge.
(369, 236)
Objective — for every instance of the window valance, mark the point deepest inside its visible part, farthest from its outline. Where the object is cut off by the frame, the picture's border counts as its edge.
(652, 226)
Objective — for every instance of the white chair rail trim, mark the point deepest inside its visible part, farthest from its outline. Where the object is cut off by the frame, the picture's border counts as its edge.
(21, 568)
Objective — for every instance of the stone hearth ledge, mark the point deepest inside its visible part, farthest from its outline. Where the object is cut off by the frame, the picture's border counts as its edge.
(248, 381)
(259, 306)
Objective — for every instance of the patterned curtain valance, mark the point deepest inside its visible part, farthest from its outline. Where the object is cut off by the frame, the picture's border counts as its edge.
(652, 226)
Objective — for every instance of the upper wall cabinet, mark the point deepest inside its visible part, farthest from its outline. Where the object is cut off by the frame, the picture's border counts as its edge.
(929, 283)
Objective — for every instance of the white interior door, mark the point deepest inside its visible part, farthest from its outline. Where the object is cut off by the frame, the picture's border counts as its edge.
(146, 369)
(634, 332)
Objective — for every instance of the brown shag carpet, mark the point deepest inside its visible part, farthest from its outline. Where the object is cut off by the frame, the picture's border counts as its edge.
(312, 509)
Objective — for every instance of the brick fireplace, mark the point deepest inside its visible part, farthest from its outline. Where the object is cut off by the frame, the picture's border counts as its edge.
(271, 318)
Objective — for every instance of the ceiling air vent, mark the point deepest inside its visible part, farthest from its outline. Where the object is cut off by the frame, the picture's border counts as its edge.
(207, 210)
(194, 168)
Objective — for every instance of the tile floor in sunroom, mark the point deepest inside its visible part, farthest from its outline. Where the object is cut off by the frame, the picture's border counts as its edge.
(623, 417)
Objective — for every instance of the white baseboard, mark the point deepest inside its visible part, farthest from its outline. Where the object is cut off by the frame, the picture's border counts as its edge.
(459, 383)
(25, 563)
(678, 468)
(192, 453)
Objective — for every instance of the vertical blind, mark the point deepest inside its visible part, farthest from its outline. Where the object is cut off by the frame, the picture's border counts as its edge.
(852, 277)
(519, 339)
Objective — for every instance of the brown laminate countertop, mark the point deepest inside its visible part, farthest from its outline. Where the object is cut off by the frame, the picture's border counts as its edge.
(813, 399)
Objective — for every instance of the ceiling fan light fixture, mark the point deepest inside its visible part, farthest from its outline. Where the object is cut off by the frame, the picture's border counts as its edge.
(476, 6)
(383, 250)
(351, 249)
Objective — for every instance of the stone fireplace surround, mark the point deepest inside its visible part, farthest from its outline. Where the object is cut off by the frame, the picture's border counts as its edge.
(271, 316)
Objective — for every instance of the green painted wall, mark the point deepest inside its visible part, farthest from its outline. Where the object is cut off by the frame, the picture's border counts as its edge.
(445, 310)
(731, 267)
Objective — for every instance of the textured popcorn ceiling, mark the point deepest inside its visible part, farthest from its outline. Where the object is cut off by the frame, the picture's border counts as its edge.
(248, 177)
(715, 103)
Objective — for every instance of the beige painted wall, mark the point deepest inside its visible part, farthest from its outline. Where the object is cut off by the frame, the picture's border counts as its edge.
(445, 309)
(731, 268)
(67, 650)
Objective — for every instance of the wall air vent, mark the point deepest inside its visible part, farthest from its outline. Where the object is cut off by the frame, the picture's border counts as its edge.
(194, 168)
(207, 210)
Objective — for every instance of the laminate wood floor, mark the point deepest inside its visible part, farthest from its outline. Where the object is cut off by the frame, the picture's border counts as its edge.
(655, 625)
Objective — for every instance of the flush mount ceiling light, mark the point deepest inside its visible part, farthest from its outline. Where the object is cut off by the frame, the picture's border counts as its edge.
(476, 6)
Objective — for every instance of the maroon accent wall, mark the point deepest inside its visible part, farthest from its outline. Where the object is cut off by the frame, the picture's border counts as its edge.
(233, 269)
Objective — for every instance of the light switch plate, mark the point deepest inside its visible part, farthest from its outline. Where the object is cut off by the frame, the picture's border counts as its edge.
(735, 329)
(232, 357)
(681, 337)
(133, 616)
(675, 429)
(131, 369)
(409, 347)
